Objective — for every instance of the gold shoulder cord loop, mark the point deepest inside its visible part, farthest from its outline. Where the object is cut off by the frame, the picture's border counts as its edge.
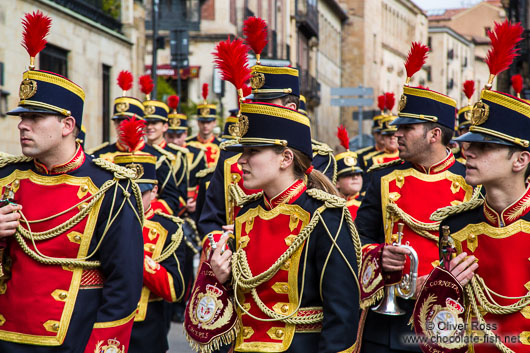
(119, 173)
(421, 228)
(474, 202)
(243, 277)
(176, 238)
(6, 160)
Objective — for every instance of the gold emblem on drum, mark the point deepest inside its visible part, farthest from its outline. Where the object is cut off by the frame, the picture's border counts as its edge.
(480, 114)
(149, 110)
(122, 107)
(257, 80)
(28, 88)
(402, 102)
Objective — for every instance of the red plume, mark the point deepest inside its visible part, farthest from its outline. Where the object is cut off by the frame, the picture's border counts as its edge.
(173, 102)
(131, 132)
(381, 102)
(504, 38)
(146, 84)
(469, 88)
(205, 91)
(342, 134)
(416, 59)
(125, 80)
(517, 84)
(255, 32)
(247, 90)
(231, 59)
(390, 100)
(36, 28)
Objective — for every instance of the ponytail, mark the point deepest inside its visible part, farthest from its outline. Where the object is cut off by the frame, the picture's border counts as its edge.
(315, 179)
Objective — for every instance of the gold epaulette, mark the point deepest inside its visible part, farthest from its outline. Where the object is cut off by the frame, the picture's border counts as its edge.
(384, 165)
(97, 148)
(164, 152)
(174, 219)
(178, 148)
(189, 138)
(455, 150)
(362, 150)
(119, 171)
(444, 212)
(227, 143)
(204, 172)
(321, 148)
(330, 200)
(4, 155)
(7, 159)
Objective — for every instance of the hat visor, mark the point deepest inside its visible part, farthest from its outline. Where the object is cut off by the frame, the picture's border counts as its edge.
(482, 138)
(208, 119)
(257, 97)
(406, 121)
(238, 147)
(145, 186)
(154, 120)
(30, 109)
(349, 172)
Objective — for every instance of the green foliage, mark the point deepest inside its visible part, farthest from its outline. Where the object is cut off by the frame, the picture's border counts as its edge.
(163, 89)
(112, 8)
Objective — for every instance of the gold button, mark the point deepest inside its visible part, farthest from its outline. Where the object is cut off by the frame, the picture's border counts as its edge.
(55, 327)
(400, 179)
(16, 183)
(152, 231)
(83, 206)
(472, 237)
(152, 247)
(63, 295)
(285, 308)
(84, 188)
(279, 333)
(77, 238)
(285, 288)
(70, 267)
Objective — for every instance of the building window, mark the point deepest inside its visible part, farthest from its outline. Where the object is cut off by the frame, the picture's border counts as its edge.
(106, 101)
(429, 43)
(54, 59)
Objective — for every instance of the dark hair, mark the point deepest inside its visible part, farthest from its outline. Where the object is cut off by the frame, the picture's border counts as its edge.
(290, 98)
(511, 151)
(447, 133)
(315, 179)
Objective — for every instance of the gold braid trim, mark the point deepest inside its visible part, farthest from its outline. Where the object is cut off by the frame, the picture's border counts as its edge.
(239, 196)
(444, 212)
(322, 149)
(228, 143)
(243, 277)
(6, 160)
(492, 337)
(162, 151)
(486, 301)
(204, 172)
(119, 171)
(178, 148)
(216, 343)
(384, 165)
(97, 148)
(419, 227)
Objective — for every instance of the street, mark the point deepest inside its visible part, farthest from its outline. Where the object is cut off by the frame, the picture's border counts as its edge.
(177, 341)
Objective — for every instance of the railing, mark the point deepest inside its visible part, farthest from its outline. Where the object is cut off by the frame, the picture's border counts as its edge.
(310, 88)
(307, 17)
(106, 13)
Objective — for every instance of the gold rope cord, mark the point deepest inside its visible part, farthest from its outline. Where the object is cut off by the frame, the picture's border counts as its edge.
(243, 277)
(176, 238)
(421, 228)
(474, 202)
(119, 173)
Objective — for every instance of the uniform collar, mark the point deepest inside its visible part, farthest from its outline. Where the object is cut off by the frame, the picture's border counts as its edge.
(163, 143)
(203, 141)
(75, 162)
(149, 213)
(124, 148)
(353, 197)
(511, 213)
(438, 167)
(288, 196)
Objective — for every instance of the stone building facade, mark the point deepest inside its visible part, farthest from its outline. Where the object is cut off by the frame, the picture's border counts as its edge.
(88, 52)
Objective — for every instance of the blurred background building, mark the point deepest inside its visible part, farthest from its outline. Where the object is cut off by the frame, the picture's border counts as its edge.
(334, 43)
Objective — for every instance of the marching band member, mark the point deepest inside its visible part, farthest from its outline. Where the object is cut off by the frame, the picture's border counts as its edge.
(349, 174)
(489, 276)
(407, 190)
(71, 226)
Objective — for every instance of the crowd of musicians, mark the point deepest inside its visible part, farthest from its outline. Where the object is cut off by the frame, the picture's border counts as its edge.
(418, 243)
